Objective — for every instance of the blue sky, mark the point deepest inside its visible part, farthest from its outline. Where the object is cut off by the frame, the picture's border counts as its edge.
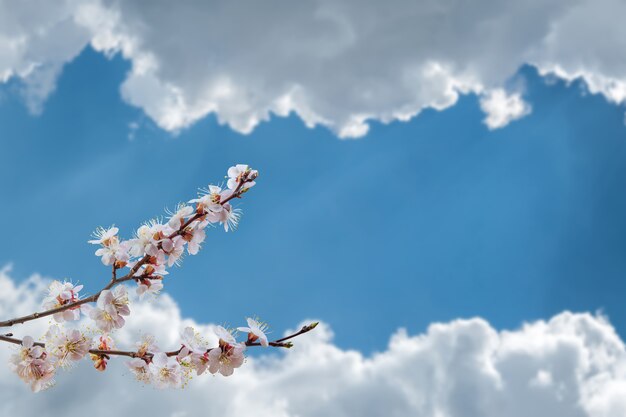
(421, 221)
(441, 185)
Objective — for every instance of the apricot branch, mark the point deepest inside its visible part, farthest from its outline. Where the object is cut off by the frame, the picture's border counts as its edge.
(157, 246)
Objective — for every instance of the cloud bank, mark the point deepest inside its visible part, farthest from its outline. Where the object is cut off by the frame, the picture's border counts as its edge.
(338, 64)
(573, 365)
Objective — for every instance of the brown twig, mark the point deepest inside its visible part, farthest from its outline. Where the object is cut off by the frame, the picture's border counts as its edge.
(148, 355)
(91, 299)
(237, 192)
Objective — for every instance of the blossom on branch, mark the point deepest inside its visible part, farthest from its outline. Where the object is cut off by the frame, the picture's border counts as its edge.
(165, 373)
(193, 353)
(241, 173)
(66, 347)
(33, 366)
(102, 343)
(149, 286)
(110, 308)
(140, 369)
(228, 355)
(256, 331)
(147, 345)
(112, 250)
(61, 294)
(157, 246)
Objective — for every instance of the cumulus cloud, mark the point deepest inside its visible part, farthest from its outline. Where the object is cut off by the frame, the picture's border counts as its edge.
(502, 108)
(339, 64)
(36, 39)
(572, 365)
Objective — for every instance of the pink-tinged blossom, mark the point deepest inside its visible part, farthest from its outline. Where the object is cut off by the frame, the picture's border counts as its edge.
(230, 217)
(193, 351)
(32, 365)
(228, 355)
(105, 237)
(122, 254)
(114, 252)
(200, 363)
(147, 344)
(190, 342)
(174, 250)
(225, 358)
(120, 300)
(110, 307)
(65, 347)
(165, 373)
(238, 173)
(60, 294)
(225, 335)
(256, 331)
(104, 343)
(140, 369)
(144, 238)
(107, 254)
(148, 237)
(178, 218)
(151, 270)
(106, 320)
(210, 201)
(197, 237)
(149, 286)
(111, 249)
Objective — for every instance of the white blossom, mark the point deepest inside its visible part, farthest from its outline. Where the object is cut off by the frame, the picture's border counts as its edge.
(225, 358)
(60, 294)
(149, 286)
(105, 237)
(147, 345)
(228, 355)
(71, 346)
(237, 174)
(210, 200)
(32, 365)
(140, 369)
(256, 331)
(178, 218)
(110, 307)
(165, 373)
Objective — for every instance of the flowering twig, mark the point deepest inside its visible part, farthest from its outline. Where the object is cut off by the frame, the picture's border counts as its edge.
(91, 299)
(157, 246)
(148, 355)
(114, 280)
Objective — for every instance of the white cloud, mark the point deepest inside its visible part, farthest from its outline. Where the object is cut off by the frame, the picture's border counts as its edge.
(572, 365)
(36, 39)
(335, 63)
(502, 108)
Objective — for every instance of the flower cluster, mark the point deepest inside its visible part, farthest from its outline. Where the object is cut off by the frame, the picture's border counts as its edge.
(37, 365)
(66, 347)
(161, 244)
(33, 365)
(61, 294)
(157, 246)
(111, 307)
(112, 251)
(171, 369)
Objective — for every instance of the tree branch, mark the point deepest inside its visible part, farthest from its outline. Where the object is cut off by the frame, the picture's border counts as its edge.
(237, 192)
(147, 355)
